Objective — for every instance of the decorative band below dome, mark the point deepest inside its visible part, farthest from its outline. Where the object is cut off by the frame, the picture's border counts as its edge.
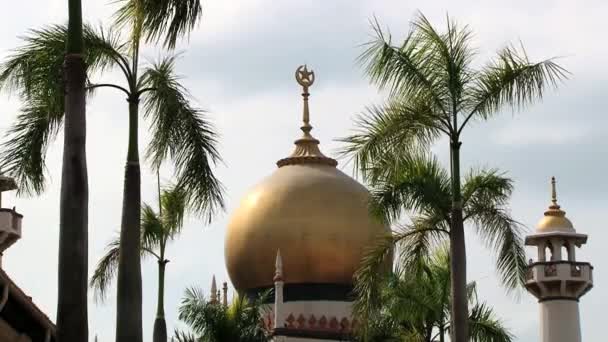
(307, 152)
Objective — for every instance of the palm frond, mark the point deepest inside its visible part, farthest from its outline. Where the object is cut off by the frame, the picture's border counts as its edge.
(486, 327)
(182, 336)
(486, 195)
(501, 233)
(413, 244)
(24, 151)
(448, 54)
(405, 70)
(417, 242)
(166, 20)
(152, 231)
(393, 129)
(487, 186)
(415, 182)
(370, 275)
(34, 71)
(105, 271)
(212, 322)
(181, 132)
(173, 201)
(512, 79)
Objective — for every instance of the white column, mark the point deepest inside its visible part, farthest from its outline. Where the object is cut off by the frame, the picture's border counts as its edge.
(278, 291)
(278, 303)
(560, 321)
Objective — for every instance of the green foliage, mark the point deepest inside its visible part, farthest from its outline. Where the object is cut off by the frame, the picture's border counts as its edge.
(418, 185)
(34, 72)
(435, 90)
(415, 306)
(106, 270)
(212, 322)
(156, 232)
(180, 132)
(155, 20)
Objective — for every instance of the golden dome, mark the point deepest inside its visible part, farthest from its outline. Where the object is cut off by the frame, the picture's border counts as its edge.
(316, 215)
(555, 219)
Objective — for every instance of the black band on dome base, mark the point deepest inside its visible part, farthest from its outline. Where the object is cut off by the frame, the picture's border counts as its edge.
(306, 292)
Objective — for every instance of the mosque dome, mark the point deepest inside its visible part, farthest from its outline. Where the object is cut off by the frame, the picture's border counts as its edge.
(555, 219)
(316, 215)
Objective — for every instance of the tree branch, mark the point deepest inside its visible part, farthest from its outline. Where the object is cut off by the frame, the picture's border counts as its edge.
(140, 92)
(109, 85)
(148, 250)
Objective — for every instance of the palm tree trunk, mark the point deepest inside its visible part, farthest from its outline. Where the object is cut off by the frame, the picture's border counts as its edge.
(72, 319)
(129, 297)
(160, 326)
(458, 258)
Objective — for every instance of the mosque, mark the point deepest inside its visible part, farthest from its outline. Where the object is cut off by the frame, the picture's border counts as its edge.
(302, 232)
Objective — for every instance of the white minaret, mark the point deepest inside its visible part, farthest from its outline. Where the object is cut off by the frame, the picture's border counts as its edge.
(278, 291)
(214, 297)
(556, 278)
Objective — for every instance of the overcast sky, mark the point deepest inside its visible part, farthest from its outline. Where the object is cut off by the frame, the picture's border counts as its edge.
(239, 64)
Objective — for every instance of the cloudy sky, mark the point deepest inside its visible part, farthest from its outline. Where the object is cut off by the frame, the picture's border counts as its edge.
(239, 65)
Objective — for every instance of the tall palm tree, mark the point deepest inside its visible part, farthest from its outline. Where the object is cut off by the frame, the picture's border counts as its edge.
(210, 321)
(416, 306)
(435, 91)
(157, 230)
(417, 185)
(72, 311)
(179, 130)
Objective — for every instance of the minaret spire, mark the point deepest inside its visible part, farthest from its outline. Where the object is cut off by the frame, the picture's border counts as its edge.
(553, 193)
(214, 298)
(554, 208)
(278, 267)
(307, 149)
(306, 79)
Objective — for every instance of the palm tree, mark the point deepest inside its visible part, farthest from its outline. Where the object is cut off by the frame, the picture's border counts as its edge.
(416, 306)
(435, 91)
(158, 229)
(72, 311)
(211, 321)
(179, 130)
(418, 185)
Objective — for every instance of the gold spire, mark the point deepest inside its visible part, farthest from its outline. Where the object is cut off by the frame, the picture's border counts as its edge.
(306, 79)
(554, 208)
(307, 147)
(555, 218)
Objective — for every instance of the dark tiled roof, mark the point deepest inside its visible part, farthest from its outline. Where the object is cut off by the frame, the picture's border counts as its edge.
(22, 314)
